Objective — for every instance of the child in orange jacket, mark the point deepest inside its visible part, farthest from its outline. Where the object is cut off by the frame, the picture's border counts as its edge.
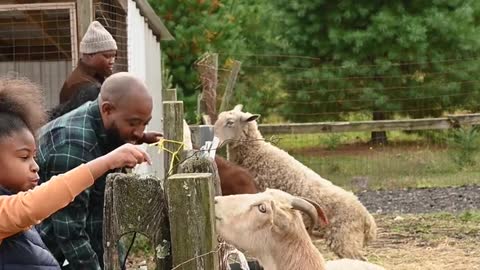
(23, 203)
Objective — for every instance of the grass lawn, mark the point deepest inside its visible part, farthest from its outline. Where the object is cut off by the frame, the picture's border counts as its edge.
(407, 161)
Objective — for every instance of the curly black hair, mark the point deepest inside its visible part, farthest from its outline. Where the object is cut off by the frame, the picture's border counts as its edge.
(21, 106)
(88, 93)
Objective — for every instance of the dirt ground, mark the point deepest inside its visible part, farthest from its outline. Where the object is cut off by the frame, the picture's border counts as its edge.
(424, 242)
(422, 200)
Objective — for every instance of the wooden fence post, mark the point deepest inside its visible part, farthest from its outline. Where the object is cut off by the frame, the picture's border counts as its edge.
(135, 204)
(200, 162)
(172, 130)
(207, 66)
(85, 16)
(228, 95)
(192, 221)
(201, 134)
(170, 94)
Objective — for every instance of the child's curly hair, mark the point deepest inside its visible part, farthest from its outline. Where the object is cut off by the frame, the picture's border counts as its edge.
(21, 106)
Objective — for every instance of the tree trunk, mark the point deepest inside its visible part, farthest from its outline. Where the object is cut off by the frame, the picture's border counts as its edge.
(379, 137)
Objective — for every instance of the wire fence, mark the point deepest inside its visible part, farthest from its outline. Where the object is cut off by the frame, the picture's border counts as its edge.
(39, 41)
(114, 18)
(299, 89)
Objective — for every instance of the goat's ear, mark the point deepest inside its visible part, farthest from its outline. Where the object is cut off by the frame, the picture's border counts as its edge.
(248, 117)
(280, 220)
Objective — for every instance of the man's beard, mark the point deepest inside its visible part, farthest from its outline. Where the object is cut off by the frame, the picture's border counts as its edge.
(113, 136)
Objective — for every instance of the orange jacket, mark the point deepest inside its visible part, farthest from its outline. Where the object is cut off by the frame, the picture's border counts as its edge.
(20, 211)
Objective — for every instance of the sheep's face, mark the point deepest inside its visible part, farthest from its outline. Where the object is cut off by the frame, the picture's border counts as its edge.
(231, 125)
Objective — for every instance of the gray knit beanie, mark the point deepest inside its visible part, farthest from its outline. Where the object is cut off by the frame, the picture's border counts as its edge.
(97, 39)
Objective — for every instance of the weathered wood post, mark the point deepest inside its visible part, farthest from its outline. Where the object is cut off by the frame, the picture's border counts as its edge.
(135, 204)
(200, 162)
(170, 94)
(228, 95)
(201, 134)
(207, 66)
(172, 130)
(192, 221)
(85, 16)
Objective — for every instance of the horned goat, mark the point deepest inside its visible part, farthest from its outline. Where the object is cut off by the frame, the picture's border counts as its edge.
(266, 226)
(351, 225)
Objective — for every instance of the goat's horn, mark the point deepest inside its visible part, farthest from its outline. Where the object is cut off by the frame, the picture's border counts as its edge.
(321, 214)
(308, 208)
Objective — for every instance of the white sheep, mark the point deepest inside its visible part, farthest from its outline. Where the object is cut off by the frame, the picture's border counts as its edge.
(351, 225)
(266, 226)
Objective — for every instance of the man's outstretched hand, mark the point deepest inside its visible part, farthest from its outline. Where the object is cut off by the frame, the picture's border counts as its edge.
(127, 155)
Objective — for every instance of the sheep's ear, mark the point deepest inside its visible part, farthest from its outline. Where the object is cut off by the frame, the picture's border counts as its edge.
(248, 117)
(238, 108)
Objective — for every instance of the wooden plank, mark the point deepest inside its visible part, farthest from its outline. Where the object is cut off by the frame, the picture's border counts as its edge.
(452, 121)
(382, 125)
(74, 40)
(124, 5)
(172, 130)
(27, 2)
(227, 96)
(192, 221)
(84, 16)
(37, 6)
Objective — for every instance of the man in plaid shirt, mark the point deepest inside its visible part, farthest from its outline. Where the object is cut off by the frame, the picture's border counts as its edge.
(119, 115)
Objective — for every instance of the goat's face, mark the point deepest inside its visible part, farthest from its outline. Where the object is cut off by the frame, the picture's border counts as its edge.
(244, 220)
(231, 125)
(254, 222)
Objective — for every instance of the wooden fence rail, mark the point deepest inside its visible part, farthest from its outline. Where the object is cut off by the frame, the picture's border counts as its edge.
(452, 121)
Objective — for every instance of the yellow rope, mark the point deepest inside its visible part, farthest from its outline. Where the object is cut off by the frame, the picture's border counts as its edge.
(161, 147)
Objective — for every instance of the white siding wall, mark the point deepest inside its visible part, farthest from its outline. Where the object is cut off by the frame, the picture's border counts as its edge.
(144, 60)
(50, 75)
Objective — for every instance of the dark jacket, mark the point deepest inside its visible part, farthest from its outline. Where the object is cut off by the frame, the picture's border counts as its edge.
(25, 250)
(81, 77)
(84, 94)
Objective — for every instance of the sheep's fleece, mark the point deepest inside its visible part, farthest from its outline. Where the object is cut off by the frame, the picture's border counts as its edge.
(351, 226)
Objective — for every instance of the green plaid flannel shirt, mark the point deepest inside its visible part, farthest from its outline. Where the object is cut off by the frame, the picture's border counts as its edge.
(74, 233)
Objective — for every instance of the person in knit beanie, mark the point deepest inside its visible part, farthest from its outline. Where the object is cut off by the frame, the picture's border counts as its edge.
(98, 50)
